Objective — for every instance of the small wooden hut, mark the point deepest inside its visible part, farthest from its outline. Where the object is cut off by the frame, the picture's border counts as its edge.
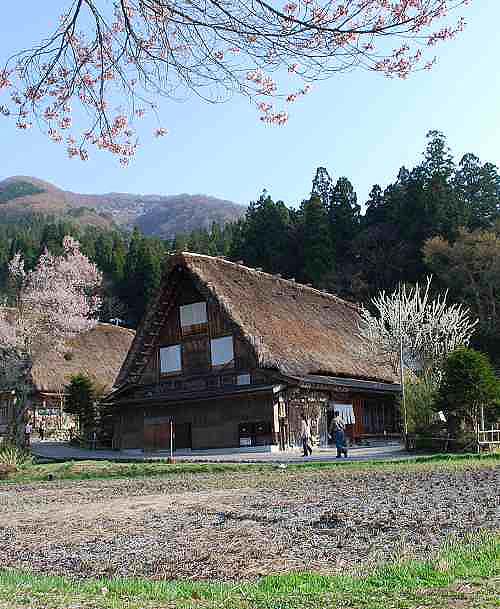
(98, 353)
(233, 355)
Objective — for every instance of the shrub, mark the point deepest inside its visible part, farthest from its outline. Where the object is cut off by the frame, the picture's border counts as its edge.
(420, 397)
(81, 402)
(12, 456)
(468, 386)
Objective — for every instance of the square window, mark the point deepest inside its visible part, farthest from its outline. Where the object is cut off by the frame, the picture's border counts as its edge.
(243, 379)
(222, 350)
(193, 314)
(170, 359)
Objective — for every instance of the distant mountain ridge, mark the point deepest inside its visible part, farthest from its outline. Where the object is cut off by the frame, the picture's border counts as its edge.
(162, 216)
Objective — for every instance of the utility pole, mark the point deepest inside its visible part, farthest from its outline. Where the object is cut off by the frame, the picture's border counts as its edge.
(171, 459)
(401, 371)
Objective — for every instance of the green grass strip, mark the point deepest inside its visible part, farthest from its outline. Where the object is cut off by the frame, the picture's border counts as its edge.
(477, 558)
(102, 470)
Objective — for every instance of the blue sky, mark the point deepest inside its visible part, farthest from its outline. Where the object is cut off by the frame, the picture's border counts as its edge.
(360, 125)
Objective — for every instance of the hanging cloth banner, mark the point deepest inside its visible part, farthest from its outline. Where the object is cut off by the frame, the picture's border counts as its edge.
(345, 411)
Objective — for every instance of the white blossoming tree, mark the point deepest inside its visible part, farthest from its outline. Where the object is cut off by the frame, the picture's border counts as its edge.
(55, 301)
(423, 328)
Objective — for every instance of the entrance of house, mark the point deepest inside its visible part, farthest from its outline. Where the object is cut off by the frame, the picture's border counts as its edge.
(157, 434)
(182, 436)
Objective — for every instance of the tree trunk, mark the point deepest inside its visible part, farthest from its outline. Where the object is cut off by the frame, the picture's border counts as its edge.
(17, 377)
(19, 419)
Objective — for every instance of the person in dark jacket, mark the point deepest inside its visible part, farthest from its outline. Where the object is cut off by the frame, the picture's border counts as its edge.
(337, 430)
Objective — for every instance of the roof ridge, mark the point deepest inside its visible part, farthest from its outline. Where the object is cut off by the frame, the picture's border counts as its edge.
(110, 325)
(295, 284)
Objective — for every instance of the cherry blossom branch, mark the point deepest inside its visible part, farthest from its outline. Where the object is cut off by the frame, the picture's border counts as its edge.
(114, 63)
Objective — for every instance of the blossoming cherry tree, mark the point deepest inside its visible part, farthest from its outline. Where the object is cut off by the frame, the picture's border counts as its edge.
(55, 301)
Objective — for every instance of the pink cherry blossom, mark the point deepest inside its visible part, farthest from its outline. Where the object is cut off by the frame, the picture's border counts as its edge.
(65, 123)
(5, 82)
(113, 59)
(54, 301)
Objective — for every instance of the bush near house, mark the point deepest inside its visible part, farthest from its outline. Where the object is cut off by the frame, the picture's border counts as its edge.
(468, 390)
(83, 397)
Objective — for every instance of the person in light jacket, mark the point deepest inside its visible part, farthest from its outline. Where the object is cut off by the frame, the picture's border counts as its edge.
(337, 429)
(305, 434)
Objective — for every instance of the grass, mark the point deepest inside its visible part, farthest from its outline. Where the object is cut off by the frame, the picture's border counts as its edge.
(107, 470)
(460, 575)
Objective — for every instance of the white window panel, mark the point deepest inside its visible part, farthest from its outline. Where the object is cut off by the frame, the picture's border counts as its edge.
(222, 350)
(346, 412)
(170, 359)
(193, 314)
(243, 379)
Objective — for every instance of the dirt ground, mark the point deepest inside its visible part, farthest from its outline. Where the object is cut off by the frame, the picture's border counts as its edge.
(238, 526)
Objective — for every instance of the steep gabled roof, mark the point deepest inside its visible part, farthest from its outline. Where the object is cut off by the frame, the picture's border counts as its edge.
(294, 329)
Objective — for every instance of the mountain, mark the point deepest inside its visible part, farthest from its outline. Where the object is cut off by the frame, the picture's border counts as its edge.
(158, 215)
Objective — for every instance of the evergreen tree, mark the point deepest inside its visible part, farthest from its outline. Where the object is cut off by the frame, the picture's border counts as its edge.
(81, 402)
(132, 290)
(375, 207)
(344, 215)
(118, 259)
(318, 251)
(104, 253)
(478, 188)
(438, 158)
(468, 386)
(322, 186)
(264, 237)
(50, 240)
(180, 243)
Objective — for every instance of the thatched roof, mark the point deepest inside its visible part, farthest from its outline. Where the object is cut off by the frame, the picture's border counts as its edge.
(294, 329)
(98, 353)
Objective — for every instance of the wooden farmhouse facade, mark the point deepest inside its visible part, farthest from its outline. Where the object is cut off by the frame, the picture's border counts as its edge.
(98, 354)
(233, 355)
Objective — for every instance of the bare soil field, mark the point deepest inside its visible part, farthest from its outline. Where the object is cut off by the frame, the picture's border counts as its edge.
(231, 526)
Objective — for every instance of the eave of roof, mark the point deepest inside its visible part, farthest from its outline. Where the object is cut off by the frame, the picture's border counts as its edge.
(329, 382)
(183, 396)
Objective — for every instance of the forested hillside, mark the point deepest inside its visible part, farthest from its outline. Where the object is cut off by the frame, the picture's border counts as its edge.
(441, 217)
(155, 215)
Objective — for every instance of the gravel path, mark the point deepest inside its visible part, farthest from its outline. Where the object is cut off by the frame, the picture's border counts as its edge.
(230, 526)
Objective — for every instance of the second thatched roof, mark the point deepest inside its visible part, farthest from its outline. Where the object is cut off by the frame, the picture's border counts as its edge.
(98, 353)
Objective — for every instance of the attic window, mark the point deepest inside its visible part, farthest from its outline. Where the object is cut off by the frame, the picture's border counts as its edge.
(170, 359)
(222, 350)
(193, 314)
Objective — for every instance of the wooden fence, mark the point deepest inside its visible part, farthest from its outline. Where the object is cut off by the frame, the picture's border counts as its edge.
(489, 437)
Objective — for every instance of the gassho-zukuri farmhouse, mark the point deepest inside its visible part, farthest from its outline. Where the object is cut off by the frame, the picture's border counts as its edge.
(233, 355)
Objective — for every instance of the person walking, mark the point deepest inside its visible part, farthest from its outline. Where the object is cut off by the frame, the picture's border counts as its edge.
(337, 429)
(28, 430)
(305, 434)
(41, 433)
